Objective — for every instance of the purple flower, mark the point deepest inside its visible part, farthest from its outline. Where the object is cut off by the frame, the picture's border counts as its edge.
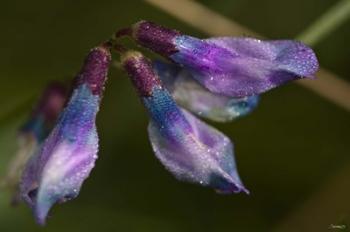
(190, 149)
(46, 112)
(33, 132)
(188, 93)
(235, 67)
(57, 172)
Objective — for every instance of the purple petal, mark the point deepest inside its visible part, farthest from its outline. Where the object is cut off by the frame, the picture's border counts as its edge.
(57, 171)
(235, 67)
(191, 150)
(46, 111)
(188, 93)
(241, 67)
(204, 157)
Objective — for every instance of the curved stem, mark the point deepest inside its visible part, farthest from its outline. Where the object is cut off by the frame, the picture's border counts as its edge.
(119, 48)
(123, 32)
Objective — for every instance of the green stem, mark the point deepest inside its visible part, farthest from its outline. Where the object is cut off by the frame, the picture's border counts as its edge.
(326, 24)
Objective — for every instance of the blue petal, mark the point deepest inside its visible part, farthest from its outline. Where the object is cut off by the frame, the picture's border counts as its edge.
(191, 95)
(57, 171)
(190, 149)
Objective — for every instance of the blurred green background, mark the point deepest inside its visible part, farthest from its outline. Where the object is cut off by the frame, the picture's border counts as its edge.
(287, 150)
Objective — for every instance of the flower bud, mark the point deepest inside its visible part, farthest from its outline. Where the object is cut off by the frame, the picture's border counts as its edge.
(66, 158)
(190, 149)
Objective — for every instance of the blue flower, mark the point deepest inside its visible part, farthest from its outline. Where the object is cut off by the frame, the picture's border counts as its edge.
(235, 67)
(190, 149)
(191, 95)
(66, 158)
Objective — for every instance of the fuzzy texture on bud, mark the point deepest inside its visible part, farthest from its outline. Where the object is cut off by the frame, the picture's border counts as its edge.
(56, 173)
(190, 149)
(235, 67)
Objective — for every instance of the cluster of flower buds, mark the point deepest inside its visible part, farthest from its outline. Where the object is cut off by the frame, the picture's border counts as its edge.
(219, 79)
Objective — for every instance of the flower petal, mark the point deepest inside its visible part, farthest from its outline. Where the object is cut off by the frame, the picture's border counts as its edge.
(46, 112)
(204, 157)
(191, 150)
(244, 66)
(191, 95)
(57, 172)
(235, 67)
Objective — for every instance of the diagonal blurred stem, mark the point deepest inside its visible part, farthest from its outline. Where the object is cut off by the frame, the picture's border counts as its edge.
(202, 18)
(327, 23)
(328, 85)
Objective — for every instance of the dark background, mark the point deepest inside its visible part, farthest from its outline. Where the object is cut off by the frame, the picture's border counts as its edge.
(288, 150)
